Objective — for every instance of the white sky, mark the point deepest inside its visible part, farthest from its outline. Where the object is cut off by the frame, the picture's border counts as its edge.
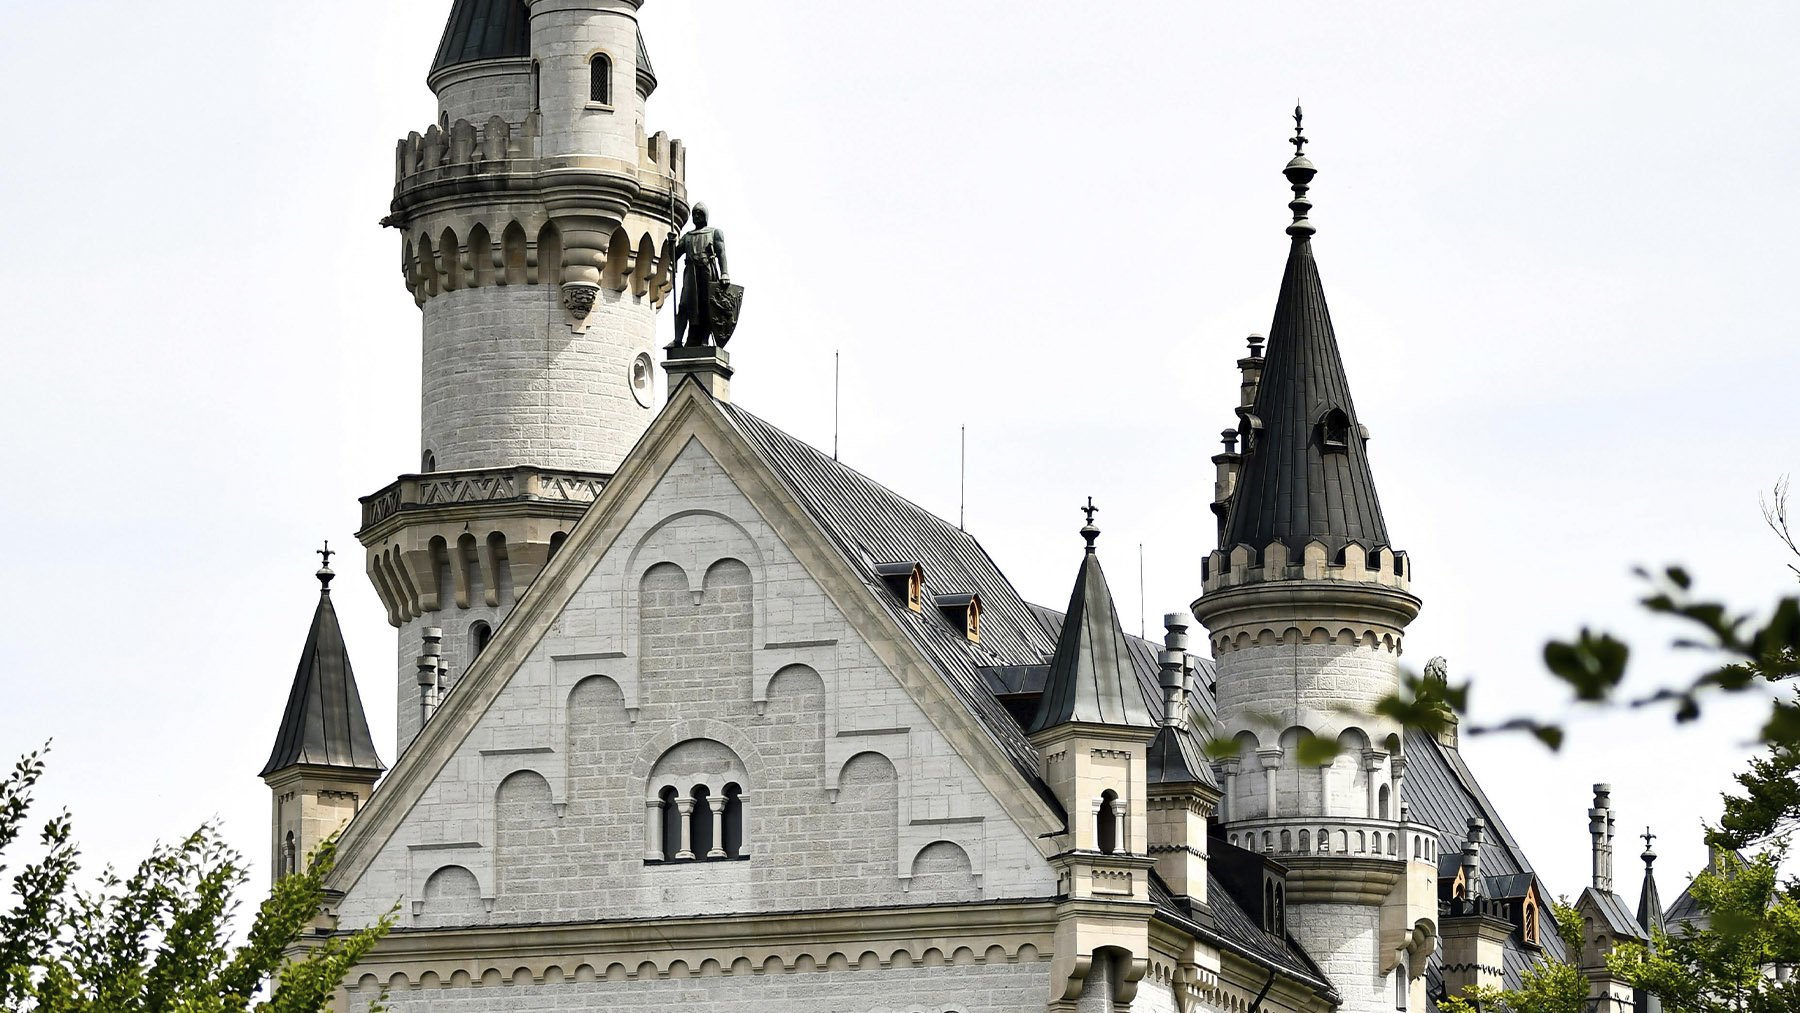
(1555, 238)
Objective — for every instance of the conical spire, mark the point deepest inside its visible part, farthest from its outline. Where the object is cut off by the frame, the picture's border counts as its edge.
(324, 725)
(1091, 677)
(1650, 909)
(1305, 472)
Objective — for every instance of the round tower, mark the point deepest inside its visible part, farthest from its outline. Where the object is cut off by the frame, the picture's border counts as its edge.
(534, 216)
(1306, 603)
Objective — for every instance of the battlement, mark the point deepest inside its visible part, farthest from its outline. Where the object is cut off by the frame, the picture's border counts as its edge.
(499, 147)
(1354, 563)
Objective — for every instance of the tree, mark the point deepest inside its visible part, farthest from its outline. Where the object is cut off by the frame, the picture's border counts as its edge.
(1753, 923)
(1549, 986)
(160, 939)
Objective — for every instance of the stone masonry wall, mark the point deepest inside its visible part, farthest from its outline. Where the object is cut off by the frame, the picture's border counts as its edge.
(985, 988)
(1344, 939)
(698, 624)
(506, 381)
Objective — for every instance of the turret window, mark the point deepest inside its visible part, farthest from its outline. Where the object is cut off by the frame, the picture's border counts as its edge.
(1106, 823)
(479, 635)
(600, 80)
(290, 856)
(696, 809)
(1334, 430)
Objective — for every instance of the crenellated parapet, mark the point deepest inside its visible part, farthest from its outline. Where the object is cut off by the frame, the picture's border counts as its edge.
(1354, 563)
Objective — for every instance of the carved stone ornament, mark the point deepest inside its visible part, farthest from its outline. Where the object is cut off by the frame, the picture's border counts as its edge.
(579, 299)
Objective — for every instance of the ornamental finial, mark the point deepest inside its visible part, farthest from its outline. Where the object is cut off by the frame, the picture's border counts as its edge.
(325, 573)
(1088, 530)
(1649, 854)
(1299, 173)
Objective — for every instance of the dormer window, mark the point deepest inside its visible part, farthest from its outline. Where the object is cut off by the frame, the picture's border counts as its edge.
(906, 581)
(600, 80)
(962, 612)
(1334, 431)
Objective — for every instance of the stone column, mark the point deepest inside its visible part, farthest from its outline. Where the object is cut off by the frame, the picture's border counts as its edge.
(1118, 815)
(1371, 761)
(717, 804)
(686, 805)
(1271, 761)
(1230, 766)
(653, 842)
(1397, 775)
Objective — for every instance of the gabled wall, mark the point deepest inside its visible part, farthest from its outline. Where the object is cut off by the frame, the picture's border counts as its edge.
(697, 623)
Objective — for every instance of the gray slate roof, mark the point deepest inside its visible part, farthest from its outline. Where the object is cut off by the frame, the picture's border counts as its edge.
(323, 725)
(1224, 922)
(484, 30)
(1091, 678)
(1442, 792)
(1612, 907)
(1291, 489)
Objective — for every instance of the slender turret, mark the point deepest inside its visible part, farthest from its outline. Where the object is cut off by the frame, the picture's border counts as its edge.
(535, 217)
(323, 766)
(1305, 605)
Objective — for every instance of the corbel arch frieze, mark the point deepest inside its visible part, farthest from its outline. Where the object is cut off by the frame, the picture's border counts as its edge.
(693, 540)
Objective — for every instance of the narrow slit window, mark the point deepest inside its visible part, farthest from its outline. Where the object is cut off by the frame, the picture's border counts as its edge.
(600, 83)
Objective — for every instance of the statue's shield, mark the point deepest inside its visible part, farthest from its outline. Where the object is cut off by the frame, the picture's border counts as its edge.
(727, 300)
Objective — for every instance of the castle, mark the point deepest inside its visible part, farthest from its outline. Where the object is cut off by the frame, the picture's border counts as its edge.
(692, 716)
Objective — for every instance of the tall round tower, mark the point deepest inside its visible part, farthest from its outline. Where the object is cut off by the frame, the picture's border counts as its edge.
(1306, 603)
(534, 214)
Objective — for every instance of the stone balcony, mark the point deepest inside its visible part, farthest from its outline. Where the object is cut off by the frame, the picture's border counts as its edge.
(561, 491)
(1337, 858)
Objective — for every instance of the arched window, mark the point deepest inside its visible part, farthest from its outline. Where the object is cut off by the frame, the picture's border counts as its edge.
(427, 463)
(556, 542)
(1268, 905)
(1334, 430)
(479, 635)
(1106, 827)
(537, 87)
(600, 83)
(688, 819)
(290, 859)
(732, 838)
(1401, 978)
(1382, 803)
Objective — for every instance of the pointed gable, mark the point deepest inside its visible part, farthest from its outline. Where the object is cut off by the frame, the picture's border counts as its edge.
(323, 725)
(1091, 676)
(1305, 472)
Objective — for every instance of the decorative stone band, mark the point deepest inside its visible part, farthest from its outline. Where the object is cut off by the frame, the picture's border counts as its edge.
(1244, 565)
(479, 527)
(1288, 837)
(501, 147)
(482, 485)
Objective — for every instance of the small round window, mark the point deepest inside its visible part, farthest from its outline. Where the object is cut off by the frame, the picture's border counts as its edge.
(642, 374)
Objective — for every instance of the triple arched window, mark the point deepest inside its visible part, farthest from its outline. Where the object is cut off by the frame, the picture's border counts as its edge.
(695, 805)
(699, 823)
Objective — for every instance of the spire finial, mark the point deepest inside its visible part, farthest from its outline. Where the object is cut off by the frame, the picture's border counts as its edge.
(1299, 173)
(1088, 531)
(1649, 854)
(325, 573)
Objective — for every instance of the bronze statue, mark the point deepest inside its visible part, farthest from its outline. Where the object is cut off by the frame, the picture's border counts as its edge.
(706, 309)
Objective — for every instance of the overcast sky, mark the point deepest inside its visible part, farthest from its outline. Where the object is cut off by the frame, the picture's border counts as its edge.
(1556, 240)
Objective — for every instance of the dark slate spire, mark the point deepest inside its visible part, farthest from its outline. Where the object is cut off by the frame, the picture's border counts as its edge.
(1305, 472)
(484, 30)
(1091, 677)
(323, 725)
(1650, 909)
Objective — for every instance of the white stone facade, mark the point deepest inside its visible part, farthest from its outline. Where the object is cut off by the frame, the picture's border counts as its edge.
(698, 623)
(506, 381)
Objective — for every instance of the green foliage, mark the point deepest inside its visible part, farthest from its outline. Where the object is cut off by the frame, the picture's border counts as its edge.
(1753, 923)
(1551, 986)
(159, 940)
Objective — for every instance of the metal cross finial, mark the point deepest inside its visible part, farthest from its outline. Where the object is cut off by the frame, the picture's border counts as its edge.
(325, 555)
(1648, 837)
(1090, 510)
(1299, 138)
(1088, 531)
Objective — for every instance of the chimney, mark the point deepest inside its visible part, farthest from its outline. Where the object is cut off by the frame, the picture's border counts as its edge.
(430, 672)
(1251, 366)
(1471, 859)
(1173, 662)
(1600, 825)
